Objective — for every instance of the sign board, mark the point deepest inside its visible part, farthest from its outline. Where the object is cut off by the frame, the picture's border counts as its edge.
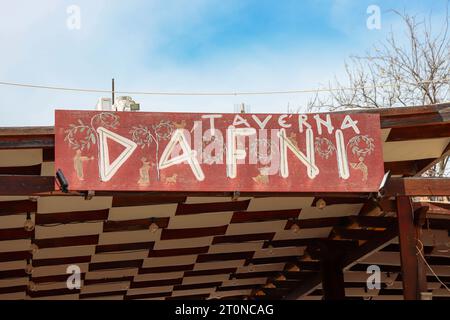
(143, 151)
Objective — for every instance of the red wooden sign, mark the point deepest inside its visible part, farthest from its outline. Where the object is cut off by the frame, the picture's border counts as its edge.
(141, 151)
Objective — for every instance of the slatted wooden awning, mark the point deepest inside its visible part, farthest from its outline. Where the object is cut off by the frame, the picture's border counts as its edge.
(214, 246)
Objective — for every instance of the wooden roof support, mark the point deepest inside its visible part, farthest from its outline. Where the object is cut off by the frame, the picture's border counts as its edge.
(434, 208)
(27, 138)
(414, 186)
(417, 186)
(431, 131)
(409, 168)
(349, 259)
(31, 185)
(374, 207)
(444, 154)
(25, 131)
(409, 116)
(28, 142)
(25, 185)
(305, 288)
(410, 227)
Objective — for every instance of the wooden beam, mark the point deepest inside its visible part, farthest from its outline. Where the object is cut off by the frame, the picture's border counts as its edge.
(317, 222)
(349, 259)
(432, 131)
(374, 207)
(25, 185)
(142, 199)
(27, 142)
(346, 244)
(299, 275)
(48, 154)
(409, 167)
(25, 131)
(444, 154)
(29, 185)
(417, 186)
(17, 207)
(409, 116)
(416, 119)
(372, 221)
(394, 247)
(73, 216)
(305, 288)
(413, 270)
(383, 268)
(34, 170)
(337, 200)
(356, 234)
(352, 257)
(362, 195)
(403, 111)
(438, 224)
(435, 208)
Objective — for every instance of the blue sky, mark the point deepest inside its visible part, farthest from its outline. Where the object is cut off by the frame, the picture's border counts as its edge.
(176, 45)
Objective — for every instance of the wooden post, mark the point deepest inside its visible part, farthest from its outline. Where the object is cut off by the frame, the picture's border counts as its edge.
(333, 284)
(413, 272)
(419, 220)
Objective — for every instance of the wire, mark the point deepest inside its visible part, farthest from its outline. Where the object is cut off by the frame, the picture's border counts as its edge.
(56, 224)
(122, 251)
(429, 267)
(224, 93)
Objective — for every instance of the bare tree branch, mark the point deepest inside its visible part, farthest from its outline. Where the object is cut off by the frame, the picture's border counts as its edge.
(396, 73)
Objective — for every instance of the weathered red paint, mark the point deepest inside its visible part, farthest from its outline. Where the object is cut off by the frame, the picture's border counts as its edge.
(78, 130)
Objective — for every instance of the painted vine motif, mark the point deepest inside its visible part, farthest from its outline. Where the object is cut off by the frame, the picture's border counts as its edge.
(361, 146)
(145, 137)
(81, 136)
(324, 147)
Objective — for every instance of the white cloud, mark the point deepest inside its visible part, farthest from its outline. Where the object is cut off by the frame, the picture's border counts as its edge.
(38, 48)
(44, 51)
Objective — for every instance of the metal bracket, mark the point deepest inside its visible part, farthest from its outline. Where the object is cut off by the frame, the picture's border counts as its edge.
(382, 188)
(62, 181)
(88, 195)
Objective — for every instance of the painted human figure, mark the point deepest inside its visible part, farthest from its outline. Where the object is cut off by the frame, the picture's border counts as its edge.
(144, 172)
(263, 176)
(362, 167)
(78, 160)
